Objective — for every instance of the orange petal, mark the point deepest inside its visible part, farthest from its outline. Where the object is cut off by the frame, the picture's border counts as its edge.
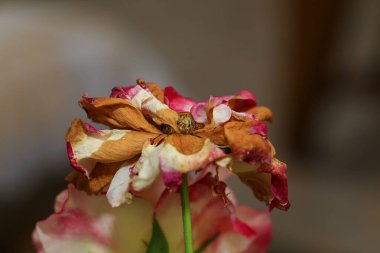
(186, 144)
(156, 90)
(101, 176)
(88, 146)
(260, 183)
(159, 112)
(248, 147)
(261, 113)
(213, 132)
(116, 113)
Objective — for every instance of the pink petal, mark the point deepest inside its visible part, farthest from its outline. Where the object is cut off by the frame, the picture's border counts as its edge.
(279, 184)
(243, 101)
(260, 128)
(124, 92)
(199, 112)
(177, 102)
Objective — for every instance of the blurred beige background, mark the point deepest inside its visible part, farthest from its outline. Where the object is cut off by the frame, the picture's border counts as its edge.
(314, 63)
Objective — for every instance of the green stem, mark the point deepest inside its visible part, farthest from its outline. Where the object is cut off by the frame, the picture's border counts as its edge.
(186, 215)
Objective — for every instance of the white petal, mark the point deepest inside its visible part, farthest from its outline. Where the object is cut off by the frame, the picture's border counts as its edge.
(147, 167)
(117, 191)
(221, 113)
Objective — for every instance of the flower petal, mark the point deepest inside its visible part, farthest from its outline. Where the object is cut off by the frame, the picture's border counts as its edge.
(248, 147)
(125, 92)
(261, 113)
(242, 102)
(117, 192)
(221, 114)
(147, 167)
(116, 113)
(86, 146)
(159, 112)
(177, 102)
(156, 90)
(213, 132)
(89, 224)
(259, 182)
(199, 112)
(279, 184)
(100, 177)
(234, 242)
(135, 177)
(180, 155)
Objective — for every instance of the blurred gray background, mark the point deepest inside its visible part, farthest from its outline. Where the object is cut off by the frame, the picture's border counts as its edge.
(316, 64)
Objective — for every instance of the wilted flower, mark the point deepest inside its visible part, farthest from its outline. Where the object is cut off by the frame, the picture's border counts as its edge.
(83, 223)
(158, 133)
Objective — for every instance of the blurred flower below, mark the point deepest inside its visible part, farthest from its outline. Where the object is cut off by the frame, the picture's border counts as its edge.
(83, 223)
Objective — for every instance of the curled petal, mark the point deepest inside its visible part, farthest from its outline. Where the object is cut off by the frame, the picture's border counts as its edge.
(156, 90)
(100, 177)
(181, 156)
(243, 101)
(86, 146)
(135, 177)
(177, 102)
(221, 114)
(279, 184)
(267, 181)
(116, 113)
(159, 112)
(147, 167)
(261, 113)
(121, 92)
(117, 191)
(259, 182)
(218, 100)
(246, 146)
(260, 128)
(129, 92)
(199, 112)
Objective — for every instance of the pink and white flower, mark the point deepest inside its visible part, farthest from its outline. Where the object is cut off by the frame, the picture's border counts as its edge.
(83, 223)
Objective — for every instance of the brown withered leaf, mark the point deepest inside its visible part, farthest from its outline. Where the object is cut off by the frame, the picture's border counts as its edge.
(186, 144)
(116, 113)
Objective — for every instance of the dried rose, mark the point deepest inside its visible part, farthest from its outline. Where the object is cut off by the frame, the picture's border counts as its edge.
(158, 133)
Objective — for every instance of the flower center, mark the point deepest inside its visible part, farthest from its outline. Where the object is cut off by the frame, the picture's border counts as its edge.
(186, 123)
